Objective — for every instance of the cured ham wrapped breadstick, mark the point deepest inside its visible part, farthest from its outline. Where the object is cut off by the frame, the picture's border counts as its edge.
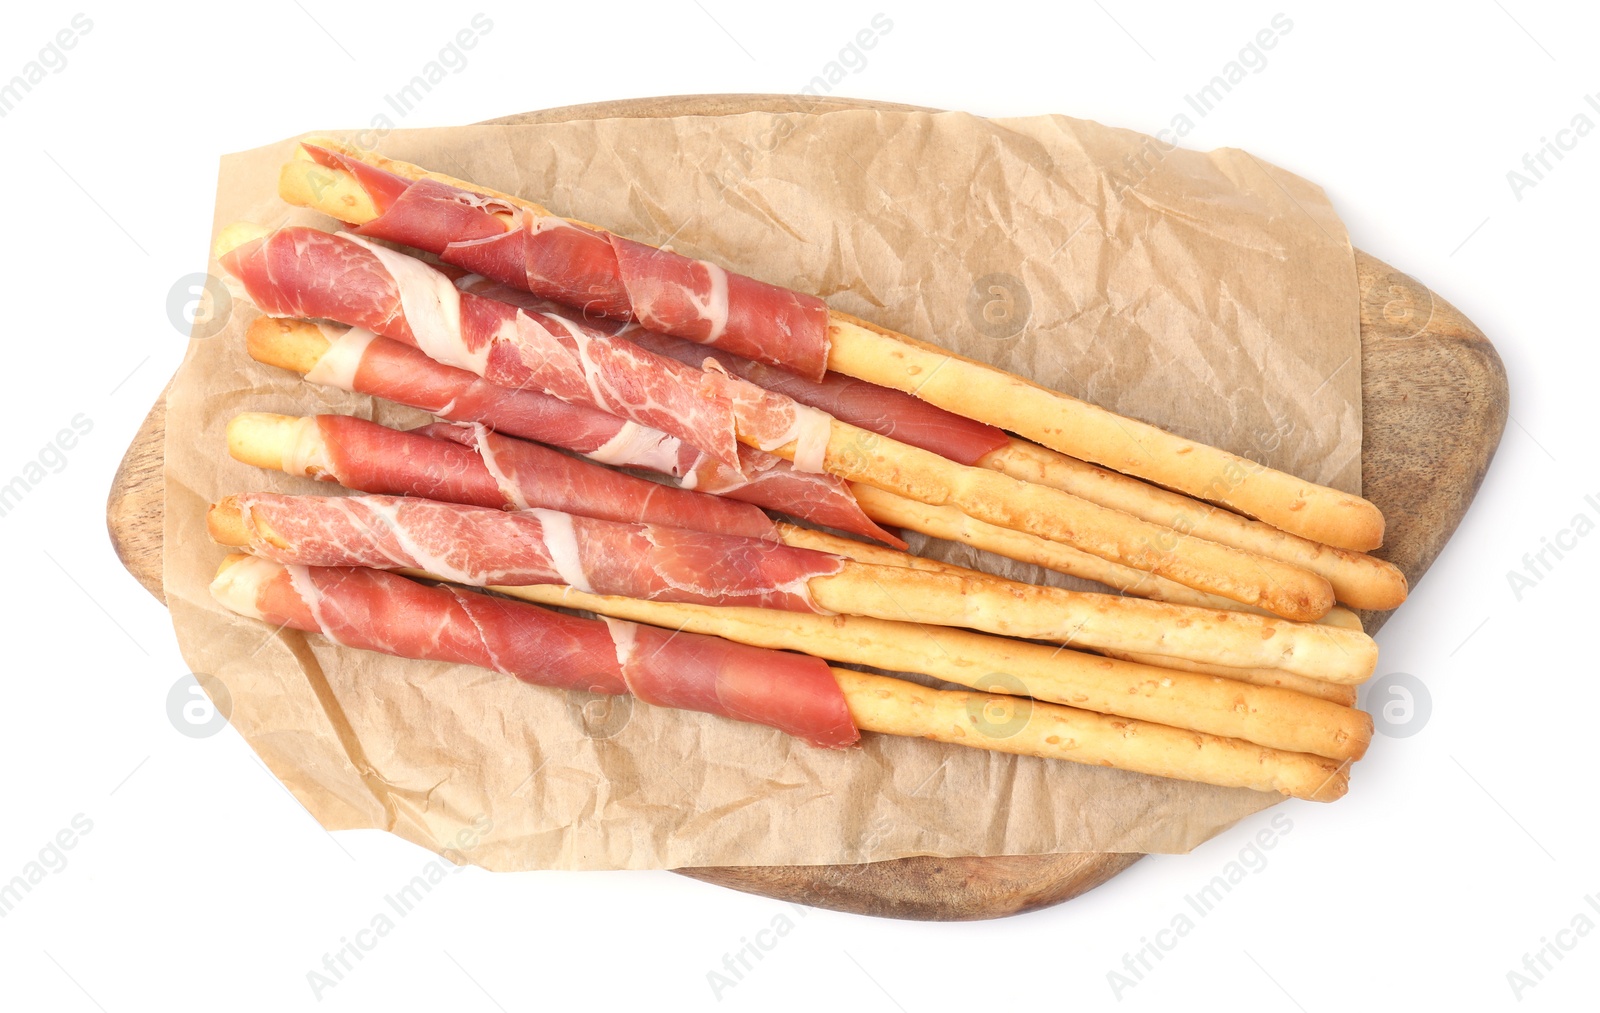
(1358, 580)
(357, 360)
(797, 694)
(480, 547)
(367, 456)
(1268, 716)
(519, 243)
(371, 458)
(470, 464)
(288, 272)
(379, 611)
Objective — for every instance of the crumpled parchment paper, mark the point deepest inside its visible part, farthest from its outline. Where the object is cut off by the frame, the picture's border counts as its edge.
(1209, 293)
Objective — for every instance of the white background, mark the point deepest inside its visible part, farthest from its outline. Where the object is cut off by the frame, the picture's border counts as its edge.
(203, 884)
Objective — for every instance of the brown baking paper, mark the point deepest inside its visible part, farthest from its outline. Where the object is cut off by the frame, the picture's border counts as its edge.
(1208, 293)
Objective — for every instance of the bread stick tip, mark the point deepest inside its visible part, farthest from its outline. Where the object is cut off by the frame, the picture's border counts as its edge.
(236, 235)
(225, 523)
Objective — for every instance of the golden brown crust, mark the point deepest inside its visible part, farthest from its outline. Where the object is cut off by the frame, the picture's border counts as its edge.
(225, 523)
(1093, 621)
(287, 343)
(1048, 417)
(1092, 433)
(1358, 580)
(867, 458)
(953, 525)
(1029, 728)
(1342, 694)
(1007, 608)
(1026, 728)
(1267, 716)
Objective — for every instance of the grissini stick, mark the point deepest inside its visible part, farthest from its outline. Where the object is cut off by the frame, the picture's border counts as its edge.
(985, 721)
(1110, 687)
(1342, 694)
(482, 546)
(478, 467)
(357, 360)
(302, 446)
(727, 679)
(1268, 716)
(379, 611)
(1359, 580)
(286, 271)
(822, 541)
(472, 464)
(953, 525)
(958, 384)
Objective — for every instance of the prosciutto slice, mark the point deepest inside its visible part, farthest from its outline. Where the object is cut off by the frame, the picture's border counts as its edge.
(481, 547)
(595, 271)
(377, 611)
(882, 410)
(362, 362)
(305, 272)
(470, 464)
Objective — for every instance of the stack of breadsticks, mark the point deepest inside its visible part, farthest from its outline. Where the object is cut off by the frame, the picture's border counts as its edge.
(1228, 654)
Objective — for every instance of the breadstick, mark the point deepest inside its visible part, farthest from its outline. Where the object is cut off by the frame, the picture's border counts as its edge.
(1358, 580)
(1023, 610)
(1266, 716)
(260, 589)
(864, 552)
(1092, 433)
(299, 345)
(869, 459)
(296, 445)
(1006, 725)
(1343, 695)
(953, 525)
(1004, 502)
(1031, 612)
(975, 390)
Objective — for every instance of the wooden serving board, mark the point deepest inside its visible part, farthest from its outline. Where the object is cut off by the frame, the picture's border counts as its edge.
(1433, 403)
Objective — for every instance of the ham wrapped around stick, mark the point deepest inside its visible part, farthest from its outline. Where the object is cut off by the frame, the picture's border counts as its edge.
(476, 466)
(289, 271)
(357, 360)
(796, 694)
(517, 242)
(385, 612)
(471, 464)
(1268, 716)
(1358, 580)
(480, 547)
(304, 272)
